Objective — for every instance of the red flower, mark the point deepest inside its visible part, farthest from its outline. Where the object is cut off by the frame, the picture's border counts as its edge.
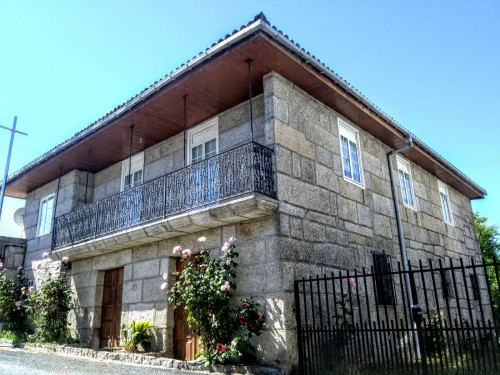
(262, 316)
(219, 347)
(243, 319)
(224, 348)
(246, 306)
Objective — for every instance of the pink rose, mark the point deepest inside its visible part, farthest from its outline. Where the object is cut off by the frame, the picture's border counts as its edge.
(164, 286)
(225, 287)
(1, 265)
(202, 239)
(45, 255)
(177, 249)
(186, 253)
(232, 239)
(352, 282)
(39, 265)
(224, 248)
(30, 289)
(434, 308)
(19, 268)
(65, 260)
(165, 276)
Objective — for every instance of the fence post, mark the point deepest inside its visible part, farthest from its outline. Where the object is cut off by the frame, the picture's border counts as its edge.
(417, 317)
(299, 326)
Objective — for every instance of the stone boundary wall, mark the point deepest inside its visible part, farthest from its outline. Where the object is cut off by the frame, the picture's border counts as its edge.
(147, 359)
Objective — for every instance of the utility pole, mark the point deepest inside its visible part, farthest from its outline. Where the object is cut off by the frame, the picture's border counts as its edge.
(12, 132)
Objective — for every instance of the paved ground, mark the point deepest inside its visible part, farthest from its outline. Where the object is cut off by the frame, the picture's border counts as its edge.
(38, 362)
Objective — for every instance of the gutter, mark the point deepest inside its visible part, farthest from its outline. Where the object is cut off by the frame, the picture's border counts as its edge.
(260, 24)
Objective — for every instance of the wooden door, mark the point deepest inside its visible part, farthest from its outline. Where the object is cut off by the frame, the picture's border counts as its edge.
(111, 308)
(185, 341)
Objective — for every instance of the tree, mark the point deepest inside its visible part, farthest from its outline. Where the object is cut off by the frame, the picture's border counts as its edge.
(489, 242)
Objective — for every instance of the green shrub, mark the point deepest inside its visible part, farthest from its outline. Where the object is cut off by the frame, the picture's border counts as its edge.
(139, 336)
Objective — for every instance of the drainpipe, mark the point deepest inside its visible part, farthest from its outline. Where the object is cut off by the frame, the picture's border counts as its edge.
(414, 309)
(402, 246)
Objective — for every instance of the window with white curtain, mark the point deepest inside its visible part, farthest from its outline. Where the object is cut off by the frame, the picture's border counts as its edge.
(445, 203)
(203, 141)
(406, 182)
(132, 171)
(351, 154)
(45, 214)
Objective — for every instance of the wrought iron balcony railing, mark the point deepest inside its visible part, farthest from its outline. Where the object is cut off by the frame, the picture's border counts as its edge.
(243, 169)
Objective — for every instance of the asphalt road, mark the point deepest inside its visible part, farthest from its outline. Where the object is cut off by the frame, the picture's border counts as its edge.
(37, 362)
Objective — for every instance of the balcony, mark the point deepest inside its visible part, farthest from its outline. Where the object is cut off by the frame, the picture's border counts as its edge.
(211, 191)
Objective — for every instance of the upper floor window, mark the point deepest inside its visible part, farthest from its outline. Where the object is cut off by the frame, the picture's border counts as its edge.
(45, 214)
(132, 171)
(203, 141)
(445, 203)
(406, 182)
(351, 154)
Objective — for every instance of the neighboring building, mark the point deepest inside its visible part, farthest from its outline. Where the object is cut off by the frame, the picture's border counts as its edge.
(12, 253)
(311, 194)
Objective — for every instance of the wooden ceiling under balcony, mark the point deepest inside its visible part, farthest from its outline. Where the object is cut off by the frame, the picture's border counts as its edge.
(214, 86)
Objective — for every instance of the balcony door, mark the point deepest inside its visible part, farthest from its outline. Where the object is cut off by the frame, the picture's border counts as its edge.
(131, 199)
(203, 143)
(111, 308)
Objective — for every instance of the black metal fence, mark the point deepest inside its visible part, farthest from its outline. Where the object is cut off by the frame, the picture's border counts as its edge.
(243, 169)
(361, 323)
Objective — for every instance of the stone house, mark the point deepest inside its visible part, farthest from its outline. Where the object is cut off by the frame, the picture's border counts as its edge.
(294, 166)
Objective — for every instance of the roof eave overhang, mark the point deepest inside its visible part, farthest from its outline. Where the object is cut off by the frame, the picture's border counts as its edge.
(455, 178)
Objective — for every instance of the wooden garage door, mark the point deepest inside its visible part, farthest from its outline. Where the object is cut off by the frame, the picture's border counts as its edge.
(111, 308)
(185, 341)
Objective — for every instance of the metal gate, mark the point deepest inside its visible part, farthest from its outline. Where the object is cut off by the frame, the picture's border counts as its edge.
(361, 323)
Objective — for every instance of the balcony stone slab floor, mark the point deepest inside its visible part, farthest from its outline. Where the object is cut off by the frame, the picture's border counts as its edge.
(235, 210)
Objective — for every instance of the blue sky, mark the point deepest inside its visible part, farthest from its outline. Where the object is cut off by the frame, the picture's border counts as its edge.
(433, 66)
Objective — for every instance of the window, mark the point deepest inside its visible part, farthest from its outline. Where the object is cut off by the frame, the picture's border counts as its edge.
(445, 203)
(406, 182)
(351, 155)
(45, 214)
(203, 141)
(446, 283)
(384, 290)
(475, 287)
(132, 171)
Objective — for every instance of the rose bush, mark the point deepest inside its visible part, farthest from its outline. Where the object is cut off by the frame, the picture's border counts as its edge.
(204, 287)
(13, 302)
(51, 302)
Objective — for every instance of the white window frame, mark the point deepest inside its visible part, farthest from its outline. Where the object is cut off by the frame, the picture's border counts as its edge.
(404, 166)
(133, 165)
(443, 189)
(46, 230)
(199, 134)
(352, 135)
